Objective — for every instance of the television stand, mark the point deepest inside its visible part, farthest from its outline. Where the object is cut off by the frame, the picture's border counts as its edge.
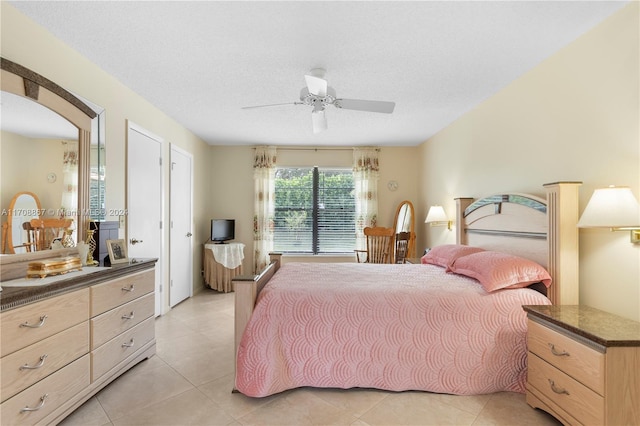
(221, 263)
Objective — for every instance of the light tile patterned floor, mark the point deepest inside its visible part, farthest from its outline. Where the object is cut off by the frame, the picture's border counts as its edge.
(189, 382)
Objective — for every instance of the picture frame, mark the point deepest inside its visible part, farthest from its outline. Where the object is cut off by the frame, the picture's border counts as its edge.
(117, 251)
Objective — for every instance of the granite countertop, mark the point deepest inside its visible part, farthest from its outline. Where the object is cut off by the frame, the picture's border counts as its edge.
(598, 326)
(13, 296)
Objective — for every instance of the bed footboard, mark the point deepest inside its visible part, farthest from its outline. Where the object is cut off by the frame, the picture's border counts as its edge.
(246, 290)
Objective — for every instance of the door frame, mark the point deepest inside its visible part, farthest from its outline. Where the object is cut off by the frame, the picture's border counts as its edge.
(161, 264)
(177, 149)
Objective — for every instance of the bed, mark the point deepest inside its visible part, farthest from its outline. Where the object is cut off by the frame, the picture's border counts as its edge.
(434, 327)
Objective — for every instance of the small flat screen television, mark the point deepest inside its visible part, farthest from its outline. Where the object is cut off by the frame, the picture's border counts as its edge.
(222, 230)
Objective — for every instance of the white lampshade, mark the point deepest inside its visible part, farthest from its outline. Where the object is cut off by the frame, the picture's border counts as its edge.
(436, 214)
(612, 207)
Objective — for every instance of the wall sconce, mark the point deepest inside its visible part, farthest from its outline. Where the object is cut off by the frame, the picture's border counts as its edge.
(614, 207)
(437, 217)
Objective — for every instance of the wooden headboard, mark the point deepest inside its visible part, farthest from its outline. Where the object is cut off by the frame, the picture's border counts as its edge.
(529, 226)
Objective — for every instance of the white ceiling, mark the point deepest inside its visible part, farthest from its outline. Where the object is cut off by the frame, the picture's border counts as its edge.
(201, 61)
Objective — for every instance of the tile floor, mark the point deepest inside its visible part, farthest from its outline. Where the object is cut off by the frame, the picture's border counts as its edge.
(189, 382)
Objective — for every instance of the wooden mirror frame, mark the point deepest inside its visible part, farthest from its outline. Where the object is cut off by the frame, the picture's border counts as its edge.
(411, 251)
(23, 82)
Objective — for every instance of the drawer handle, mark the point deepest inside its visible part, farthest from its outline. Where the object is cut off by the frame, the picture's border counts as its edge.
(42, 399)
(556, 352)
(127, 317)
(34, 367)
(38, 325)
(557, 389)
(131, 288)
(128, 345)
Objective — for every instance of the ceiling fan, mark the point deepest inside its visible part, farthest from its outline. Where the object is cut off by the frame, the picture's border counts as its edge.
(318, 95)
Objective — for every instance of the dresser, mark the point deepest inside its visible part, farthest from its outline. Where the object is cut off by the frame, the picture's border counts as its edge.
(62, 343)
(583, 365)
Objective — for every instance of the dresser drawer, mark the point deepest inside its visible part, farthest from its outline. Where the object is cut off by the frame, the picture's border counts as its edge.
(46, 395)
(23, 326)
(106, 326)
(117, 292)
(575, 359)
(121, 347)
(574, 397)
(25, 367)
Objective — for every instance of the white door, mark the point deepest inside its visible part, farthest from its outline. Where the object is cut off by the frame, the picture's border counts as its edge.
(144, 200)
(180, 241)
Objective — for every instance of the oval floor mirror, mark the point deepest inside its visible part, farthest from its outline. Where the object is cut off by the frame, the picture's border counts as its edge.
(404, 223)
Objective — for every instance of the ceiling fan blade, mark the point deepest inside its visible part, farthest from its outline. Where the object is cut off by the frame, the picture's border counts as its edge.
(319, 121)
(370, 106)
(271, 105)
(317, 86)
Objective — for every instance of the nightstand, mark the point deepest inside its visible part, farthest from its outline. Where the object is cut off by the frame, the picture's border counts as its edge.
(583, 365)
(415, 260)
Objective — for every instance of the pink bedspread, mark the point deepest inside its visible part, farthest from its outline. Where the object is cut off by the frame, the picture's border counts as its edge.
(393, 327)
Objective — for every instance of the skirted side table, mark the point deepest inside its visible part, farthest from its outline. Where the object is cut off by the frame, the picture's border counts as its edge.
(221, 263)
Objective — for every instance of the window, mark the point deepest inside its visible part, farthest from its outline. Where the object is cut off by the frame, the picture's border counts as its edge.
(314, 211)
(97, 184)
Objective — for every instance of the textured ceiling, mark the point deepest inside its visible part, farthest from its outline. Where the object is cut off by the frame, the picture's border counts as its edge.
(201, 61)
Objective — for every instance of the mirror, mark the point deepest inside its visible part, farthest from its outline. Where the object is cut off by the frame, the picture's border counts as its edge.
(24, 206)
(48, 143)
(97, 164)
(28, 155)
(404, 222)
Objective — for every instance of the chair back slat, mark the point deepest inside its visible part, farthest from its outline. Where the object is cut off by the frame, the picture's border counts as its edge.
(402, 246)
(379, 244)
(48, 229)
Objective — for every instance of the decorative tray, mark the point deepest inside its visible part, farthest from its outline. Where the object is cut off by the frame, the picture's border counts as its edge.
(56, 266)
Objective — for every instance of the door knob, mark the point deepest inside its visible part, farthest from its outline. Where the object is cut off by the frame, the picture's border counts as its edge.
(133, 241)
(189, 234)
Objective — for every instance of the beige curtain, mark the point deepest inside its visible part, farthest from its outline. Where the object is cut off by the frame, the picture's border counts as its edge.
(264, 175)
(69, 202)
(365, 177)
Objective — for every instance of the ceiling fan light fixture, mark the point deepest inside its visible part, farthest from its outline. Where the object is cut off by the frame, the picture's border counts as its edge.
(312, 100)
(318, 94)
(318, 106)
(319, 121)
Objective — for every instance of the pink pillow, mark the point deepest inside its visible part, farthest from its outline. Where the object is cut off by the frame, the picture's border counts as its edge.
(446, 254)
(497, 270)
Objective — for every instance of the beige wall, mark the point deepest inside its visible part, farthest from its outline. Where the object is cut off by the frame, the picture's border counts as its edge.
(232, 185)
(231, 194)
(574, 117)
(31, 173)
(28, 44)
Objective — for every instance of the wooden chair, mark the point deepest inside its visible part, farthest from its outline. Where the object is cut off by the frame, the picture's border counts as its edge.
(403, 240)
(48, 229)
(30, 245)
(379, 245)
